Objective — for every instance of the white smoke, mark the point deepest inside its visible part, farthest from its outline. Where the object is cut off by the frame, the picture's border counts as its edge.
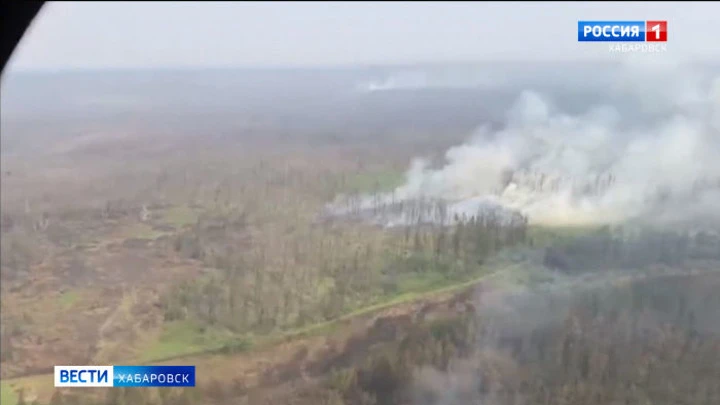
(522, 311)
(591, 168)
(428, 79)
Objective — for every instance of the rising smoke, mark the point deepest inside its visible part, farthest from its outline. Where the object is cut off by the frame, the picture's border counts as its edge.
(508, 319)
(654, 156)
(602, 166)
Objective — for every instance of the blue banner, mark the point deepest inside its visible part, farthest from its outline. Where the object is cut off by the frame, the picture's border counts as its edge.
(611, 31)
(153, 376)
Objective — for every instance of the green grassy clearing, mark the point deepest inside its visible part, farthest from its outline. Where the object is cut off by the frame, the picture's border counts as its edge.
(8, 396)
(180, 338)
(185, 338)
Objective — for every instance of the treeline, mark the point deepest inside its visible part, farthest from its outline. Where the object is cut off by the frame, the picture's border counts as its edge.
(385, 209)
(652, 341)
(127, 396)
(316, 273)
(612, 249)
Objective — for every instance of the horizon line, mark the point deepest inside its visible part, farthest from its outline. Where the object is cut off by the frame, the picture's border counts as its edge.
(78, 69)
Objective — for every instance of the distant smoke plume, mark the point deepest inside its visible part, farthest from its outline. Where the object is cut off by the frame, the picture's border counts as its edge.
(422, 79)
(596, 167)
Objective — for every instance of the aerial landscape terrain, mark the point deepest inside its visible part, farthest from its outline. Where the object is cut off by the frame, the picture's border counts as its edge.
(471, 233)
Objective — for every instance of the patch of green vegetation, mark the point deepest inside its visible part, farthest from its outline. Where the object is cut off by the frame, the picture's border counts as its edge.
(421, 272)
(237, 345)
(180, 216)
(423, 282)
(377, 180)
(180, 338)
(8, 396)
(184, 338)
(543, 236)
(68, 299)
(449, 286)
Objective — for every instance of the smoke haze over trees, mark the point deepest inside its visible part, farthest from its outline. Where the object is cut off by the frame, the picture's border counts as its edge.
(421, 234)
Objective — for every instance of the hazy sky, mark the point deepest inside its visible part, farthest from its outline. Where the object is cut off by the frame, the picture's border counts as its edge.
(185, 34)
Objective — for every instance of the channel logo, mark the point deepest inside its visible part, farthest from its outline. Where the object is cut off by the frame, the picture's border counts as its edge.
(622, 31)
(124, 376)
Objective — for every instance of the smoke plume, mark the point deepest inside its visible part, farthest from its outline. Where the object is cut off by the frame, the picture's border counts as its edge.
(601, 166)
(530, 318)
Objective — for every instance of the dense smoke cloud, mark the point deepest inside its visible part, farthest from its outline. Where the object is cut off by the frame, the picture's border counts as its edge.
(602, 166)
